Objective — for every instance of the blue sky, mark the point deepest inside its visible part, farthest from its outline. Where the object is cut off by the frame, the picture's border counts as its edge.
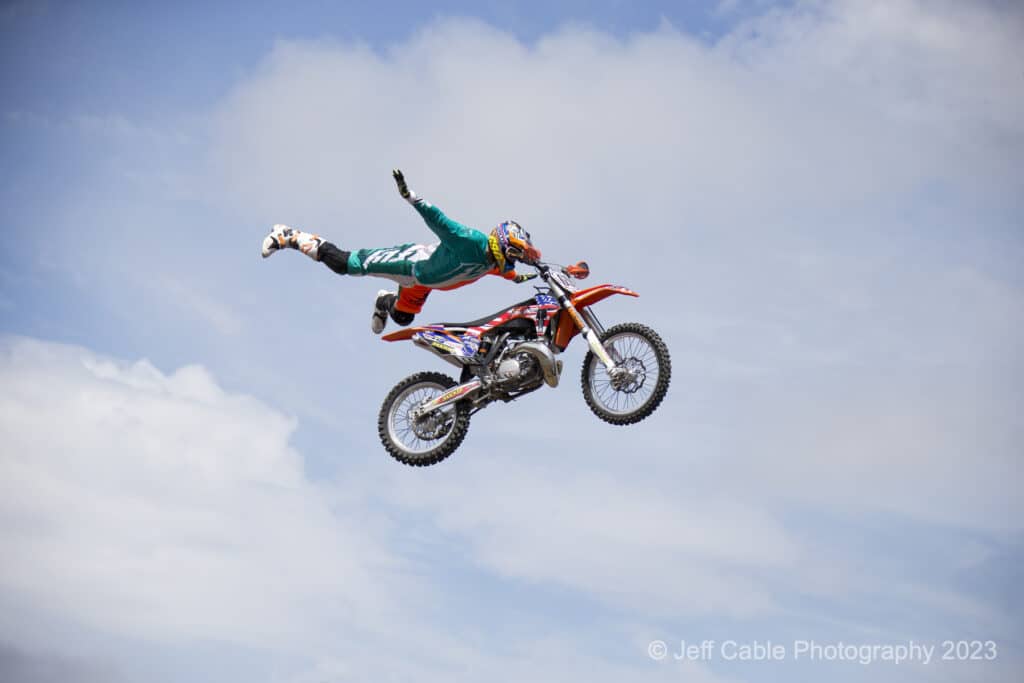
(819, 203)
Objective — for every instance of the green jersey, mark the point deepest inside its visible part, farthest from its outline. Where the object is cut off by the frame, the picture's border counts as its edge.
(463, 254)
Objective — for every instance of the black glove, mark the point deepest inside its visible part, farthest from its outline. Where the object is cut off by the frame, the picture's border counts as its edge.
(403, 189)
(523, 277)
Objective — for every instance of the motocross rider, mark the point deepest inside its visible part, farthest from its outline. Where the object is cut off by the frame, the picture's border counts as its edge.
(463, 256)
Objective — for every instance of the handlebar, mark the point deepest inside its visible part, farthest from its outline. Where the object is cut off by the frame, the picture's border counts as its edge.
(578, 270)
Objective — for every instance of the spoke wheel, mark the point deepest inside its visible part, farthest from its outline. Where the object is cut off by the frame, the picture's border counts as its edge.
(637, 385)
(424, 440)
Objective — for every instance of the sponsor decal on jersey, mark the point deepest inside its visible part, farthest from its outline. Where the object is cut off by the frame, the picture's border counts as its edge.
(412, 253)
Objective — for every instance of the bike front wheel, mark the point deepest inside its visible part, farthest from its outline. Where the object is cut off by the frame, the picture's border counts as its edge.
(637, 386)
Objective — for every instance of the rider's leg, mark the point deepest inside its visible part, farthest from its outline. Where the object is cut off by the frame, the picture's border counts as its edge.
(334, 258)
(409, 302)
(396, 264)
(401, 307)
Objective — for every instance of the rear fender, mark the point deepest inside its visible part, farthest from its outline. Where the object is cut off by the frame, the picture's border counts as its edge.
(406, 333)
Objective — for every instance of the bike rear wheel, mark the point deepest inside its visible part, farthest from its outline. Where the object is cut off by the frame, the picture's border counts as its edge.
(425, 440)
(647, 370)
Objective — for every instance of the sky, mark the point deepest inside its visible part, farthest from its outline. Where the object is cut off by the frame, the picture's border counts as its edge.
(819, 202)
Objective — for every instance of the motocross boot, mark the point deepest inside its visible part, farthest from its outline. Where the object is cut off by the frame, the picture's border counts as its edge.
(283, 236)
(381, 309)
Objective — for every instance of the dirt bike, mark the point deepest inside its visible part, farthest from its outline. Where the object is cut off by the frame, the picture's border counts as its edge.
(507, 355)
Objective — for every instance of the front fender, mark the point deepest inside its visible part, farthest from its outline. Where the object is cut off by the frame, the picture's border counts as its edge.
(591, 295)
(567, 328)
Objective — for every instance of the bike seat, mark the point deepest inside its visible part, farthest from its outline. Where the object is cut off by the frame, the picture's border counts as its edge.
(487, 318)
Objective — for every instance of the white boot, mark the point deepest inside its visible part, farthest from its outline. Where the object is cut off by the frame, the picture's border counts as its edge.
(381, 308)
(284, 237)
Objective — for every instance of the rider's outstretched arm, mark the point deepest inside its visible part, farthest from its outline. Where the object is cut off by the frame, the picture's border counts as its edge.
(442, 226)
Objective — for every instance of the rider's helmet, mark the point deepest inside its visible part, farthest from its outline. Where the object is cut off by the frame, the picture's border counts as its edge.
(510, 243)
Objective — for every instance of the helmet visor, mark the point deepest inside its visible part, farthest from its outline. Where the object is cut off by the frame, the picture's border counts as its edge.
(527, 254)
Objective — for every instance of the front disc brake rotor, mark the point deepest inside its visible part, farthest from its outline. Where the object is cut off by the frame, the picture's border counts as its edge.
(630, 377)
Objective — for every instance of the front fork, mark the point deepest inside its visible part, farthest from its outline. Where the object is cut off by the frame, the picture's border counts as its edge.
(592, 331)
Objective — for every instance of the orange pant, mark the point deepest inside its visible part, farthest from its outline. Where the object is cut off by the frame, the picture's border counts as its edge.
(411, 299)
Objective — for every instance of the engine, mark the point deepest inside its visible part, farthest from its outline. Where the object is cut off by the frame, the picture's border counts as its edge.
(517, 370)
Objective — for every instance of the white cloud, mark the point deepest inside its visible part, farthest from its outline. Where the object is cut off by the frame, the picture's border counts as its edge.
(813, 194)
(204, 305)
(642, 547)
(159, 508)
(819, 211)
(797, 203)
(159, 505)
(831, 106)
